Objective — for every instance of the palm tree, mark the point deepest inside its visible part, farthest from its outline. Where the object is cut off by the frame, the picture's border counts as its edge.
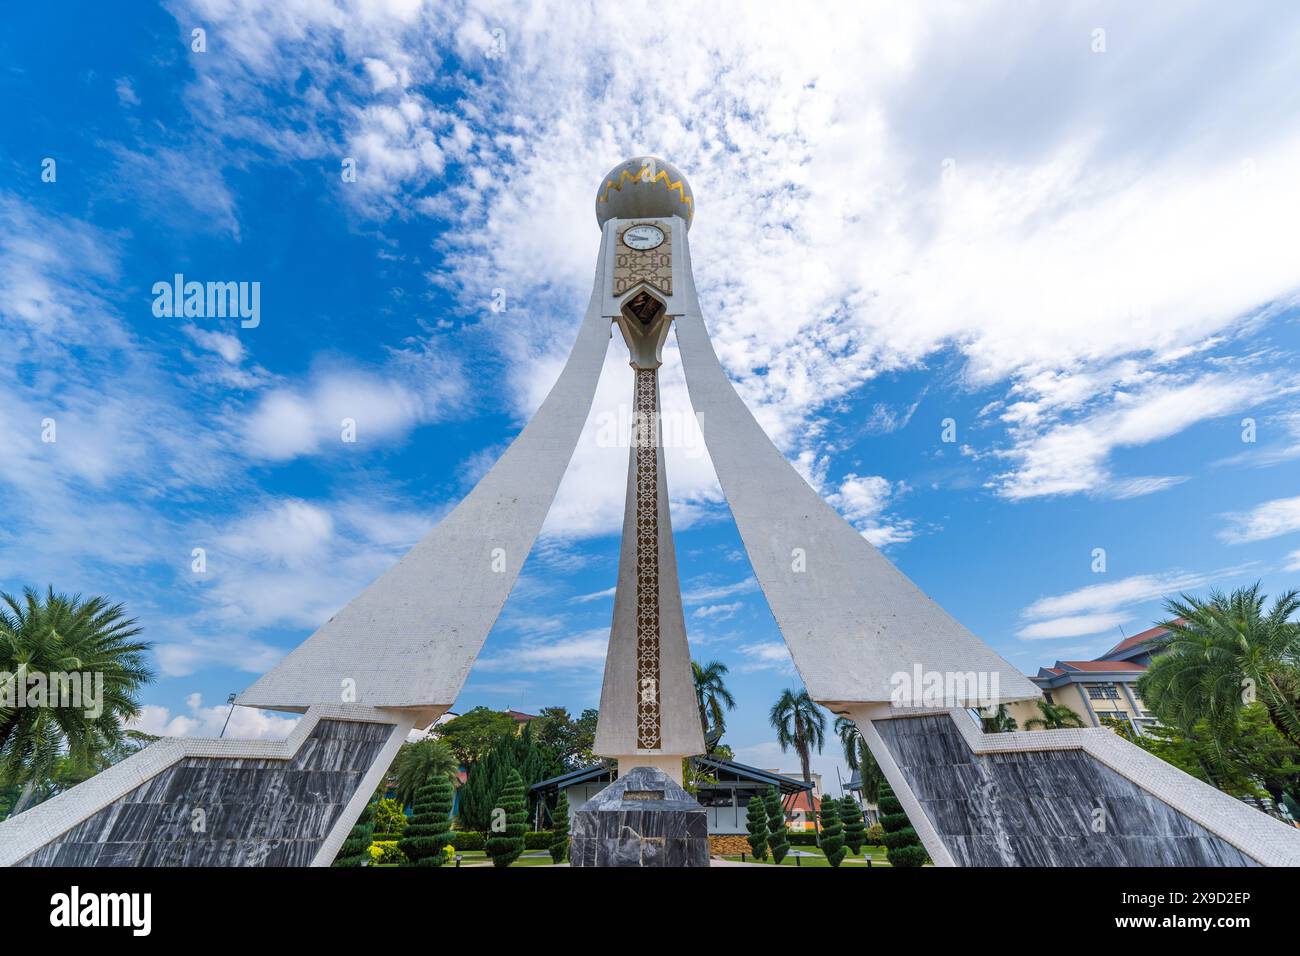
(84, 642)
(1222, 653)
(1054, 717)
(800, 724)
(860, 758)
(420, 762)
(999, 721)
(712, 696)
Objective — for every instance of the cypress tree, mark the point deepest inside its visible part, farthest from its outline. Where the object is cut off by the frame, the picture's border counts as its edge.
(832, 832)
(355, 850)
(482, 791)
(778, 840)
(902, 845)
(855, 826)
(560, 833)
(507, 845)
(756, 823)
(430, 829)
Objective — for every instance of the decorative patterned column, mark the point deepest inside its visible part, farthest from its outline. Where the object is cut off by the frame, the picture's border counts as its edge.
(645, 439)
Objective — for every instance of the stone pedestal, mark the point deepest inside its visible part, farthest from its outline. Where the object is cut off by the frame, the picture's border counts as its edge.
(641, 819)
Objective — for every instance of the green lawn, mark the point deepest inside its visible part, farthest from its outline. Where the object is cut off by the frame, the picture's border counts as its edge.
(815, 857)
(530, 858)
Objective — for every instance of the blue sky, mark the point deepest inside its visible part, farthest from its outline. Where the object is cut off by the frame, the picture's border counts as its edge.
(1077, 246)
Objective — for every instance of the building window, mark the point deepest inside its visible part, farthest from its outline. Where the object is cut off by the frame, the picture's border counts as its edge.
(1102, 691)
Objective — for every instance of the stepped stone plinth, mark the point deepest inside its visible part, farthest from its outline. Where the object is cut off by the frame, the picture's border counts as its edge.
(642, 819)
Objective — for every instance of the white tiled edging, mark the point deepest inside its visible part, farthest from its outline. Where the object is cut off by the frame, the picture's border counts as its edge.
(22, 835)
(1259, 836)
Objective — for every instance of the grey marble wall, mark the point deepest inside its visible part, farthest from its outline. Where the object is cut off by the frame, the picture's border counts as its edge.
(253, 812)
(1038, 808)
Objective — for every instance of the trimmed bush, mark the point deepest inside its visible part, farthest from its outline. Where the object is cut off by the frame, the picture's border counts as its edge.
(756, 824)
(875, 835)
(890, 804)
(900, 839)
(832, 831)
(506, 846)
(908, 856)
(778, 837)
(355, 850)
(855, 827)
(560, 834)
(429, 831)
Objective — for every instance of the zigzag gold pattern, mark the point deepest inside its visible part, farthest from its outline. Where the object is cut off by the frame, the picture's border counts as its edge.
(625, 177)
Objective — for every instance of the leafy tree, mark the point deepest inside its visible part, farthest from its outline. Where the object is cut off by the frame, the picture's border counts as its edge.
(417, 762)
(389, 817)
(58, 634)
(1253, 760)
(997, 721)
(471, 735)
(756, 823)
(902, 845)
(778, 840)
(430, 828)
(482, 790)
(832, 832)
(1220, 654)
(586, 736)
(800, 724)
(355, 850)
(1053, 717)
(855, 827)
(712, 696)
(506, 845)
(560, 832)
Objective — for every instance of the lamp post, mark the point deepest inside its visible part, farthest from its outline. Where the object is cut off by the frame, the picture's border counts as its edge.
(231, 701)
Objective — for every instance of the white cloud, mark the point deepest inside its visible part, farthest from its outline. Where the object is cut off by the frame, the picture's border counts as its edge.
(862, 500)
(290, 421)
(766, 656)
(714, 592)
(1293, 561)
(1099, 598)
(1067, 251)
(1065, 458)
(719, 612)
(1268, 520)
(246, 723)
(585, 651)
(1076, 626)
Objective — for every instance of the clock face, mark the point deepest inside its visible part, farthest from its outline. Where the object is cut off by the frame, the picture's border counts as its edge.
(643, 237)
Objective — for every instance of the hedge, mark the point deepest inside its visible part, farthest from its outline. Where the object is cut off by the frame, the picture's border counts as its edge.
(474, 840)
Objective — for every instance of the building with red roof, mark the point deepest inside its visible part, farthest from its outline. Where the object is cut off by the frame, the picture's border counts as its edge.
(1103, 691)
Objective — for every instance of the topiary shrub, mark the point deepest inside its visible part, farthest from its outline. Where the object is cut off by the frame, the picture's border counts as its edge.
(900, 839)
(429, 831)
(832, 832)
(386, 853)
(355, 850)
(778, 837)
(507, 844)
(855, 827)
(909, 856)
(560, 834)
(756, 824)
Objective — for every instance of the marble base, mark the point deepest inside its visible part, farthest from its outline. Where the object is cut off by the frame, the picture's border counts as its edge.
(642, 819)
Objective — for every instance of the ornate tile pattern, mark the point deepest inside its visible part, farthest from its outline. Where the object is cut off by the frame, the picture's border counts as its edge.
(645, 440)
(652, 266)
